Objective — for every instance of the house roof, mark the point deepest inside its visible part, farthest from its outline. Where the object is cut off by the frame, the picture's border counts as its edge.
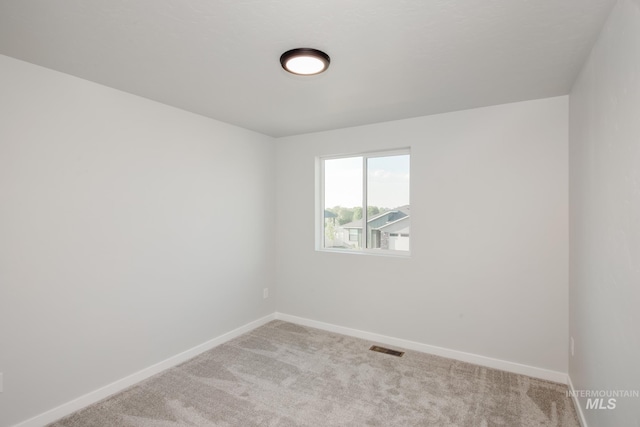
(329, 214)
(401, 225)
(381, 220)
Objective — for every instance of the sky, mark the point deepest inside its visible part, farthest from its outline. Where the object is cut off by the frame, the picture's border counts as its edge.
(387, 181)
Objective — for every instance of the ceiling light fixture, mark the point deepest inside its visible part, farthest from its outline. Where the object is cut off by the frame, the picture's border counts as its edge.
(305, 61)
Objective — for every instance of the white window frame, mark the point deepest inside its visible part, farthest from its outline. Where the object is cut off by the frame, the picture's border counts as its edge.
(320, 207)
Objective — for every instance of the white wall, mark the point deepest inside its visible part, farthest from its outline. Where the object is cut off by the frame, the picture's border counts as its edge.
(130, 231)
(605, 218)
(488, 272)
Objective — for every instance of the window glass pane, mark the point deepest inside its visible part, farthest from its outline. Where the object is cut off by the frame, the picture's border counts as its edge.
(343, 191)
(389, 220)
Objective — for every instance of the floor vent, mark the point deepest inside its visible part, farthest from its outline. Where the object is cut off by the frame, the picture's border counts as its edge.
(386, 351)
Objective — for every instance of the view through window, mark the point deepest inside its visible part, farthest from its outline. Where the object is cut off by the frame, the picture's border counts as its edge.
(365, 202)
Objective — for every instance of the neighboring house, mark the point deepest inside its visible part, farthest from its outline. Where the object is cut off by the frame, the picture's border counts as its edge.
(388, 230)
(395, 235)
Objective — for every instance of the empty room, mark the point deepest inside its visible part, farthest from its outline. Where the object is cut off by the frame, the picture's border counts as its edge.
(320, 213)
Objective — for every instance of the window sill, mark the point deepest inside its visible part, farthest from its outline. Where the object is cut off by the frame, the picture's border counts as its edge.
(374, 253)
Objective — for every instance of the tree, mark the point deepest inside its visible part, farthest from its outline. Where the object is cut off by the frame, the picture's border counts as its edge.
(345, 215)
(371, 212)
(357, 213)
(330, 232)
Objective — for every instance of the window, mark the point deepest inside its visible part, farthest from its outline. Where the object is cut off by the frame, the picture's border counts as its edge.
(366, 205)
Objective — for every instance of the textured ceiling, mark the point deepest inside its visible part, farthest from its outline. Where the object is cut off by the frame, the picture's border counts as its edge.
(390, 59)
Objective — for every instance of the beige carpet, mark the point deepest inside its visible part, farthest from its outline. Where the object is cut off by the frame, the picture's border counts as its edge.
(283, 374)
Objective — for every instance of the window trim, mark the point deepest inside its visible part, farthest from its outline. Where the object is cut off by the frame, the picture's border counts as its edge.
(320, 207)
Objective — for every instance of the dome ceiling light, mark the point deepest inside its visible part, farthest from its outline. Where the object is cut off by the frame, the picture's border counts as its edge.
(305, 61)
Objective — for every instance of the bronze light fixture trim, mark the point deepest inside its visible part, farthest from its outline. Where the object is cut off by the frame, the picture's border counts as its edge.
(305, 61)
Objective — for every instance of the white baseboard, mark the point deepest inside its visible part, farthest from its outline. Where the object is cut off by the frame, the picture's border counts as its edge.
(576, 403)
(117, 386)
(517, 368)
